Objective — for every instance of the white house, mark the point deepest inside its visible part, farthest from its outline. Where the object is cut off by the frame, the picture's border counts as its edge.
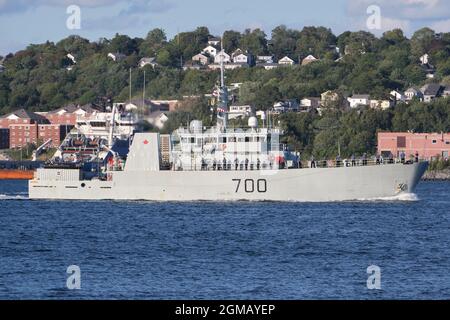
(425, 59)
(265, 59)
(412, 92)
(241, 58)
(286, 61)
(201, 58)
(222, 56)
(380, 104)
(2, 68)
(116, 56)
(157, 119)
(212, 51)
(309, 59)
(147, 61)
(243, 111)
(359, 100)
(398, 96)
(71, 57)
(310, 103)
(214, 41)
(286, 106)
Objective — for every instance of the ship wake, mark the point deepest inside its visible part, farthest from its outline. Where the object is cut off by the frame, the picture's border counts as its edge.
(13, 197)
(400, 197)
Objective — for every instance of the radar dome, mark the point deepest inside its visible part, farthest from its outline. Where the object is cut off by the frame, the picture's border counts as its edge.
(196, 126)
(253, 122)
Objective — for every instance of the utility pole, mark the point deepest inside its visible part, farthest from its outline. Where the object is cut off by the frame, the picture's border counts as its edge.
(143, 93)
(130, 86)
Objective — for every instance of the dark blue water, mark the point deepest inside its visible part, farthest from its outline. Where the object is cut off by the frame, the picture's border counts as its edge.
(225, 250)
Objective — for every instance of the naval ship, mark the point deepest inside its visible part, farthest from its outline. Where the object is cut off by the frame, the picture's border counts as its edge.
(219, 163)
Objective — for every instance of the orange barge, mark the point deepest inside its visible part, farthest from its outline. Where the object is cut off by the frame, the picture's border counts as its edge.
(15, 174)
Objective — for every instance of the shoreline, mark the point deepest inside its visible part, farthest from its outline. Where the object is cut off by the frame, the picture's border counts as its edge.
(437, 175)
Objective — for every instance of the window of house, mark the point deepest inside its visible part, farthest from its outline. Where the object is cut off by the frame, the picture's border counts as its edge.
(434, 141)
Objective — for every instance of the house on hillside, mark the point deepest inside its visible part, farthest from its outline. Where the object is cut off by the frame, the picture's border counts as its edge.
(211, 51)
(222, 56)
(286, 61)
(214, 41)
(147, 61)
(242, 111)
(358, 100)
(243, 58)
(264, 59)
(201, 59)
(412, 93)
(2, 68)
(308, 104)
(71, 58)
(397, 96)
(157, 119)
(381, 104)
(431, 91)
(308, 60)
(290, 105)
(116, 57)
(425, 59)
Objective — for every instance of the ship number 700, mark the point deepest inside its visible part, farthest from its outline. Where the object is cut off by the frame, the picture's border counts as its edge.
(249, 185)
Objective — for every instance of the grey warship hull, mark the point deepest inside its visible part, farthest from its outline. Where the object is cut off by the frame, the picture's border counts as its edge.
(305, 185)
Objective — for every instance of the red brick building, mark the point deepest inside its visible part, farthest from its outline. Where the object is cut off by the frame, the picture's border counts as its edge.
(22, 127)
(427, 145)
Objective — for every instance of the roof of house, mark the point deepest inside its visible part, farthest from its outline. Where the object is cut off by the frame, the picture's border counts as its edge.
(431, 89)
(156, 114)
(360, 96)
(312, 98)
(148, 60)
(25, 114)
(412, 89)
(70, 108)
(286, 58)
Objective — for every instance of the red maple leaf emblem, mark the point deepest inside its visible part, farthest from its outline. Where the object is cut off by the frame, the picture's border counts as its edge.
(146, 141)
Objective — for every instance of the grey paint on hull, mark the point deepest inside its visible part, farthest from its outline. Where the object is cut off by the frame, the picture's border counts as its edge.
(308, 185)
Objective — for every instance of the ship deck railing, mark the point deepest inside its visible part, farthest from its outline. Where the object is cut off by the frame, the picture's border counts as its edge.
(242, 166)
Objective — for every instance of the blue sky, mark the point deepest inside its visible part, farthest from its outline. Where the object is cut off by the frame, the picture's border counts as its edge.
(26, 21)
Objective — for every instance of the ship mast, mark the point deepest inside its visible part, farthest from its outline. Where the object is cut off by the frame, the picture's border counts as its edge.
(222, 109)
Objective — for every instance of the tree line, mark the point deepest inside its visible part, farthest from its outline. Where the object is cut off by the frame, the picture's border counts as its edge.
(37, 78)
